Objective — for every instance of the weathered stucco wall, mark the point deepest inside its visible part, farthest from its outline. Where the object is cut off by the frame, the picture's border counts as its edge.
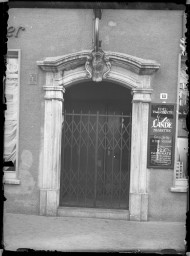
(47, 33)
(149, 34)
(164, 204)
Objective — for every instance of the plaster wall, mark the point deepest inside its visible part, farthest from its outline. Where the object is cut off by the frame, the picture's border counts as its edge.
(163, 204)
(149, 34)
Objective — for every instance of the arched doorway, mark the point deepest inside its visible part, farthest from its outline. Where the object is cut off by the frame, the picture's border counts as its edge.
(63, 72)
(96, 146)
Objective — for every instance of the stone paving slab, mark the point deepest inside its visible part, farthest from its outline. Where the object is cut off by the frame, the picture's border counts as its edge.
(90, 234)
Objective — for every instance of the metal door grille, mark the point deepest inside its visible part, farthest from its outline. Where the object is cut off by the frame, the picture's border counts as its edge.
(95, 160)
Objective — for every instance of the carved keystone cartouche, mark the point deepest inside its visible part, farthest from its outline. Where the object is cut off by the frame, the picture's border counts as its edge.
(97, 66)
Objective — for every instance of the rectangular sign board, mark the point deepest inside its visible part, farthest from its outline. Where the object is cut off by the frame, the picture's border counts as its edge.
(161, 137)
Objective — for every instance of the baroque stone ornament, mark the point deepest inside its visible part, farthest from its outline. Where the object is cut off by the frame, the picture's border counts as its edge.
(126, 70)
(97, 66)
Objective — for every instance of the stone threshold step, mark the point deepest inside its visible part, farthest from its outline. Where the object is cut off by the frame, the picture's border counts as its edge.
(93, 213)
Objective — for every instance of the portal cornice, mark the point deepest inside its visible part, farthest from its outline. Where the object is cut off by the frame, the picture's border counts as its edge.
(71, 61)
(53, 88)
(65, 62)
(142, 90)
(141, 95)
(132, 63)
(54, 92)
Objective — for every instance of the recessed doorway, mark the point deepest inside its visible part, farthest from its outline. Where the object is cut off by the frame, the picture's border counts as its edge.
(96, 139)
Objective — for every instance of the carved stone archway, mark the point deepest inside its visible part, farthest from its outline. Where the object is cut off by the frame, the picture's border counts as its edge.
(125, 70)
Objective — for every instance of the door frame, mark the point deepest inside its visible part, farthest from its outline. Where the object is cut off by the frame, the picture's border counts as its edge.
(69, 70)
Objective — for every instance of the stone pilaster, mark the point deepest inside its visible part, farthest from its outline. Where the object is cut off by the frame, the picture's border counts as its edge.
(138, 205)
(49, 191)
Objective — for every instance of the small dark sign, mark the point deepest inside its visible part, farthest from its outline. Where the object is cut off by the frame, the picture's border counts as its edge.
(161, 138)
(33, 79)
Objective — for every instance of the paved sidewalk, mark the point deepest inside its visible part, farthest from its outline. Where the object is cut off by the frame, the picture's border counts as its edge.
(90, 234)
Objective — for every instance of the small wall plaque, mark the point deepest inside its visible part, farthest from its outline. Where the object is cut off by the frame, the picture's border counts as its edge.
(33, 79)
(163, 96)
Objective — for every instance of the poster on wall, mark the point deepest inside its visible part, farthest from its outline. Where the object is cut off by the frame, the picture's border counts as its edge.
(161, 137)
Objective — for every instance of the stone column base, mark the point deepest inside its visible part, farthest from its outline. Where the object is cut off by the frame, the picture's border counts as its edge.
(49, 201)
(138, 206)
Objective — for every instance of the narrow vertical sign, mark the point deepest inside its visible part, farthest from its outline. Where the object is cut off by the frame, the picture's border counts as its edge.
(161, 139)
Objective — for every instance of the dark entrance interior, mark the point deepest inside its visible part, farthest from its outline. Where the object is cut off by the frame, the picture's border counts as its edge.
(96, 139)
